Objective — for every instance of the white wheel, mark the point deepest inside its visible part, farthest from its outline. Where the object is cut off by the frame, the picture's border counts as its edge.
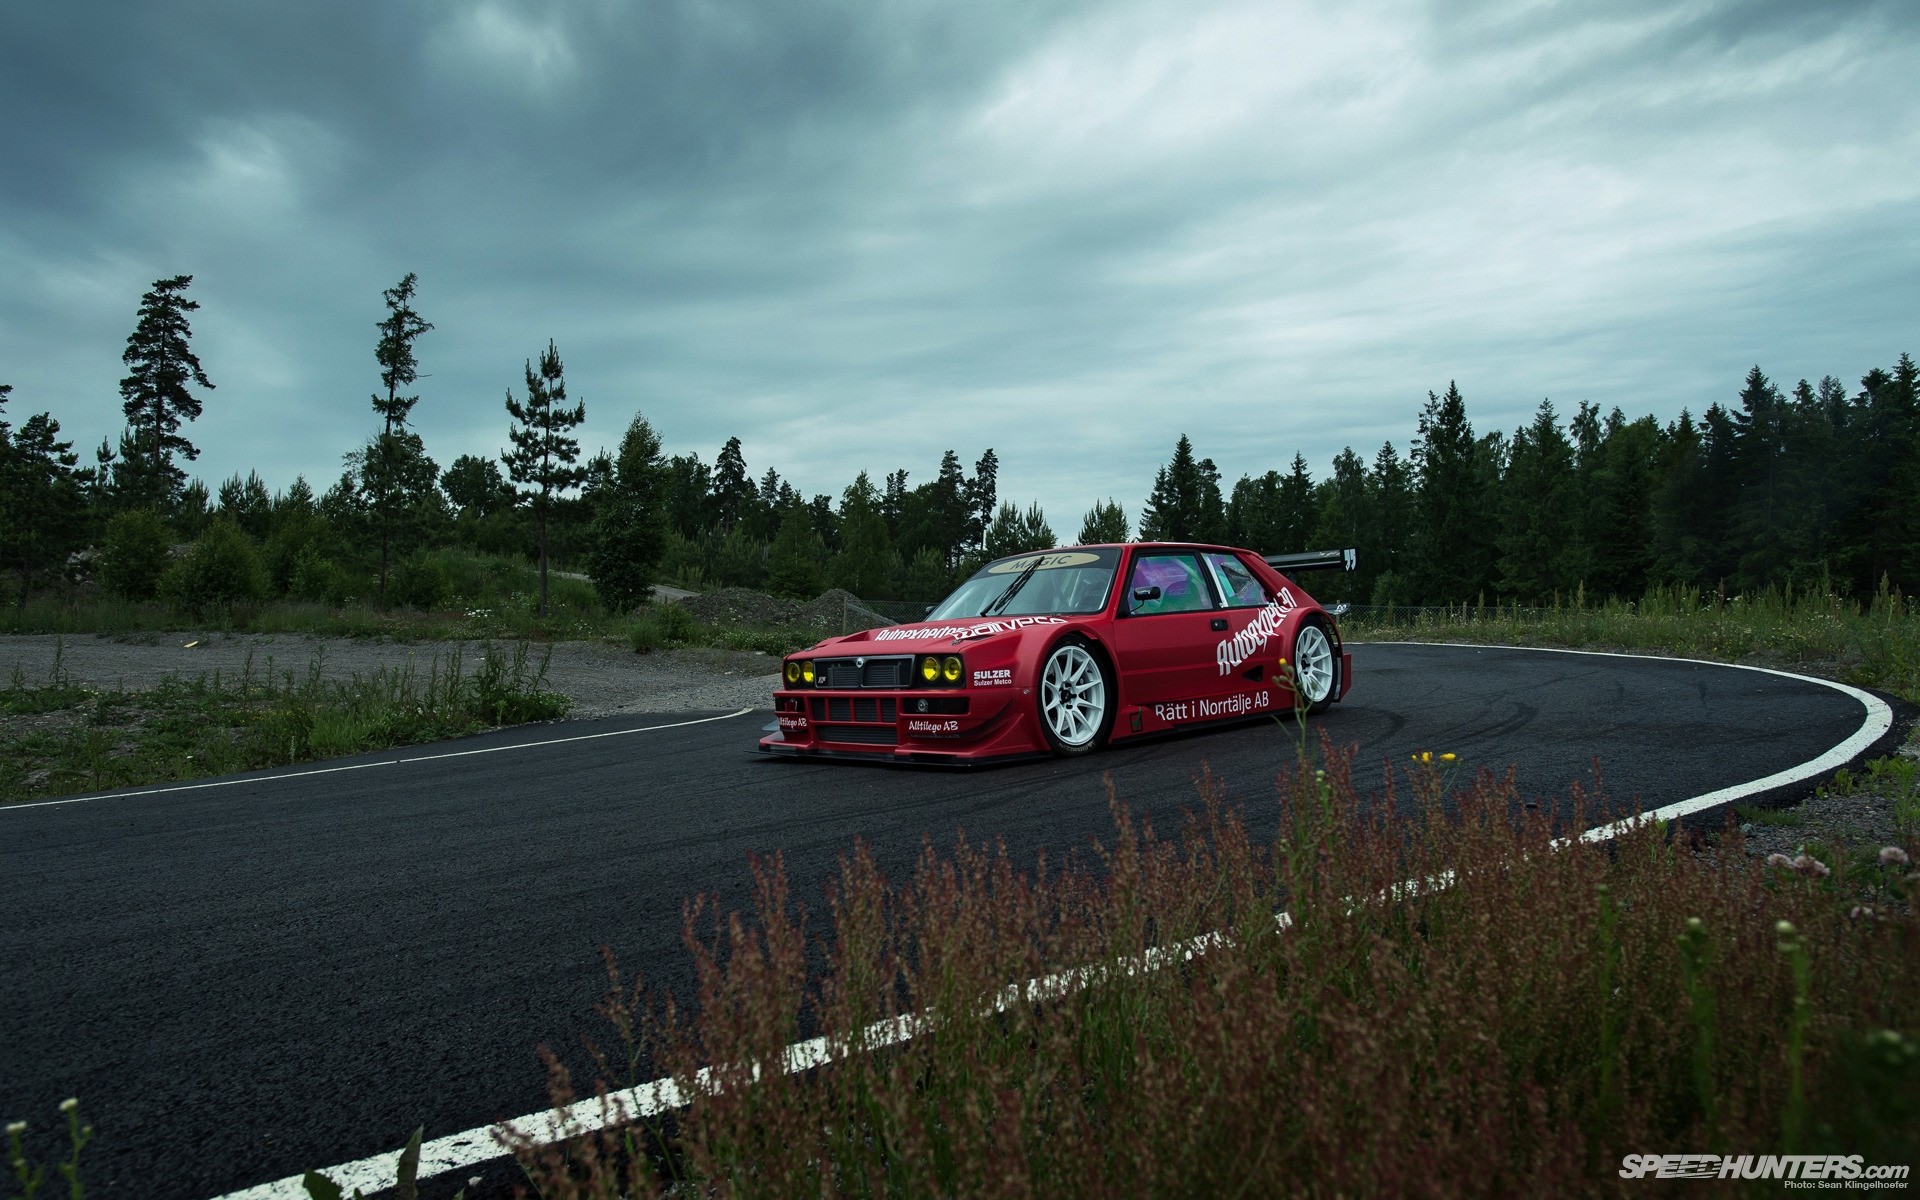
(1313, 667)
(1073, 699)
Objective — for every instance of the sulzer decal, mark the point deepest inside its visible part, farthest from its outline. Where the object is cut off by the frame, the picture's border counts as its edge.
(1233, 651)
(998, 677)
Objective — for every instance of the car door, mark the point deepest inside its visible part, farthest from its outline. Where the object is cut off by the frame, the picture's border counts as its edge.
(1164, 634)
(1246, 654)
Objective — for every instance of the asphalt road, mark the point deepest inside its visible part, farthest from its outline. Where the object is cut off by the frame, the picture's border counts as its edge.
(245, 981)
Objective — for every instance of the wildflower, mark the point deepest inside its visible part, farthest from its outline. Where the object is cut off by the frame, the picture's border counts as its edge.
(1447, 757)
(1426, 756)
(1811, 867)
(1893, 856)
(1860, 910)
(1783, 928)
(16, 1128)
(1777, 859)
(69, 1104)
(1695, 924)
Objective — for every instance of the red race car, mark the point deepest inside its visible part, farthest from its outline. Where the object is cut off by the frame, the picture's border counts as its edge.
(1061, 651)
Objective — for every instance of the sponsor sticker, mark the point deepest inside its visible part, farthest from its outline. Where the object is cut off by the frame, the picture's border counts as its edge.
(922, 727)
(793, 724)
(960, 633)
(1243, 645)
(1209, 707)
(998, 677)
(1077, 558)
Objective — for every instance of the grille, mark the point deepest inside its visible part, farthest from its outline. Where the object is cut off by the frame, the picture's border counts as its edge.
(870, 735)
(856, 708)
(877, 673)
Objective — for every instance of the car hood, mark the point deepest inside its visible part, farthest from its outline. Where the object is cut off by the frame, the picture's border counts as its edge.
(929, 635)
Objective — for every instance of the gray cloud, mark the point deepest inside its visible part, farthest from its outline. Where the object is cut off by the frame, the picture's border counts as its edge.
(857, 234)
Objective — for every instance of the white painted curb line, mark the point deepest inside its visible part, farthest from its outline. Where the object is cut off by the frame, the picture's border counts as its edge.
(388, 762)
(648, 1100)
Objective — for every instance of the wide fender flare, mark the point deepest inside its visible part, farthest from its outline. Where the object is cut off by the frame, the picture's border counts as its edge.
(1290, 629)
(1035, 650)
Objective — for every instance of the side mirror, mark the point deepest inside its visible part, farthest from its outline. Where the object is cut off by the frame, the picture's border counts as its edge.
(1143, 594)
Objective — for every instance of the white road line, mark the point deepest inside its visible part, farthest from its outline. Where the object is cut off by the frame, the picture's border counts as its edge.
(390, 762)
(472, 1146)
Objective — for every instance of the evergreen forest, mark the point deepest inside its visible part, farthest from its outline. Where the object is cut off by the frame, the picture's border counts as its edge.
(1813, 487)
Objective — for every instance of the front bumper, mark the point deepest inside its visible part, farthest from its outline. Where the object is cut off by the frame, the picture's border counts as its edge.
(889, 726)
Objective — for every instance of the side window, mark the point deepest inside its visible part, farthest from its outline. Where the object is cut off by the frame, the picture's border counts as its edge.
(1173, 583)
(1236, 582)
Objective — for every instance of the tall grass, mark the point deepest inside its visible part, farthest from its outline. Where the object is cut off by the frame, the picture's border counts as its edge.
(88, 740)
(483, 596)
(1875, 646)
(1515, 1032)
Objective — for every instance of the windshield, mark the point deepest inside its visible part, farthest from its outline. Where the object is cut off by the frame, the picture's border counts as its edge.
(1059, 581)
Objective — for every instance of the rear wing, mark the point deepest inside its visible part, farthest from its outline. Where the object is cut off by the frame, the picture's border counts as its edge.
(1314, 560)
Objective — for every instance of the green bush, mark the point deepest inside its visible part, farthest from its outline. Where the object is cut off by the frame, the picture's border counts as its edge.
(221, 567)
(419, 582)
(315, 577)
(663, 625)
(134, 555)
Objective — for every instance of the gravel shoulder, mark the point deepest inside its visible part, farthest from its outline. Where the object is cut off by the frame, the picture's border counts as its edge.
(601, 679)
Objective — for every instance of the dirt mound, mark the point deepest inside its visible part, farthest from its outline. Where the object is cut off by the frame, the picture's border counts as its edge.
(741, 606)
(833, 611)
(837, 610)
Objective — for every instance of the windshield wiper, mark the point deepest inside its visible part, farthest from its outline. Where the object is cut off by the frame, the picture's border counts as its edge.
(1019, 581)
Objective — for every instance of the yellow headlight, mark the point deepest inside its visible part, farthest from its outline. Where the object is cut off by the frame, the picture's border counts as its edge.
(951, 669)
(929, 669)
(806, 671)
(793, 672)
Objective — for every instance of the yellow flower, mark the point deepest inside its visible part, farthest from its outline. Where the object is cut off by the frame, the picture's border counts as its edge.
(1447, 757)
(1426, 756)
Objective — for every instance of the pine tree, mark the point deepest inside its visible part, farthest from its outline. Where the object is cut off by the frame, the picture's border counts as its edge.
(1014, 532)
(981, 492)
(247, 503)
(1537, 510)
(1390, 487)
(1296, 508)
(692, 508)
(543, 453)
(42, 517)
(733, 491)
(865, 563)
(1185, 503)
(155, 396)
(1346, 518)
(793, 562)
(393, 460)
(630, 521)
(1105, 522)
(893, 503)
(1256, 516)
(1453, 550)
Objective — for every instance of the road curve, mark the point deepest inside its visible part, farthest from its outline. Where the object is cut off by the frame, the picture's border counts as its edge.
(287, 970)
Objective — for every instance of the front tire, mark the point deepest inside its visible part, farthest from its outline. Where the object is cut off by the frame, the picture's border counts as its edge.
(1315, 668)
(1076, 698)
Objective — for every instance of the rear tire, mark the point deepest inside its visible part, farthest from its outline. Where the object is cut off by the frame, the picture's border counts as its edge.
(1315, 667)
(1076, 698)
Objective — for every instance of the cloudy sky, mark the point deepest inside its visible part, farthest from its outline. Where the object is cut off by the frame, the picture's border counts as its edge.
(856, 233)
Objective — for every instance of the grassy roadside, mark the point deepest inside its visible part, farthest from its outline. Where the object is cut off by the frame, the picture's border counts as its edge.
(1515, 1033)
(58, 737)
(1820, 635)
